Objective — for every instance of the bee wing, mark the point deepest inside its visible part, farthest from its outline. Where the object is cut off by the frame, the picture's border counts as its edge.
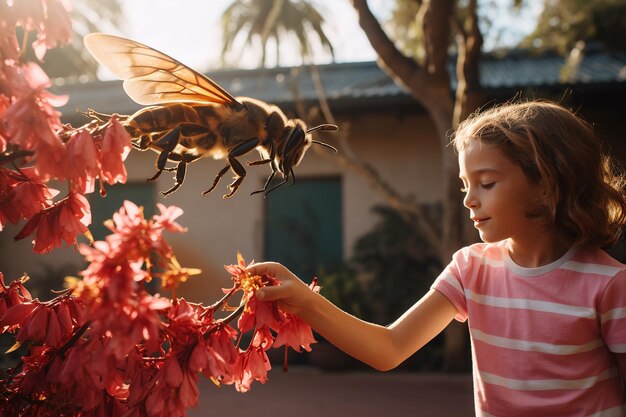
(150, 76)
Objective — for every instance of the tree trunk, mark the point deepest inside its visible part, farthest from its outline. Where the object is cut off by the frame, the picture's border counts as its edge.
(429, 83)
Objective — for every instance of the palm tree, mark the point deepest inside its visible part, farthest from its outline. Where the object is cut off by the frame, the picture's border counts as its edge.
(73, 60)
(273, 19)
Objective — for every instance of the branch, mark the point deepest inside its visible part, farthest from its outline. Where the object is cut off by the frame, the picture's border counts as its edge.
(10, 156)
(348, 159)
(430, 85)
(405, 206)
(401, 68)
(469, 92)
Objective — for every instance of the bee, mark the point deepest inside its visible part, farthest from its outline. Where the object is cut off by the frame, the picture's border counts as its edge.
(189, 116)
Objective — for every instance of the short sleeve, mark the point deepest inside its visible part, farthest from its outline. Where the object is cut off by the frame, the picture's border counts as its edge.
(450, 283)
(612, 310)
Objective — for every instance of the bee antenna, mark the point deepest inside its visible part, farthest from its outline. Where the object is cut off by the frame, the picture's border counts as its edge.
(323, 127)
(332, 148)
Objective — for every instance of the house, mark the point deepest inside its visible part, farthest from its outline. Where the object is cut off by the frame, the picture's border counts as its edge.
(315, 222)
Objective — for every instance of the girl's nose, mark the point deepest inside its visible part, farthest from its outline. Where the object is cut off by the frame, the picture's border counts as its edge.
(470, 200)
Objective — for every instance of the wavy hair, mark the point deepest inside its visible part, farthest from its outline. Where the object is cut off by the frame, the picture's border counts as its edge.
(586, 201)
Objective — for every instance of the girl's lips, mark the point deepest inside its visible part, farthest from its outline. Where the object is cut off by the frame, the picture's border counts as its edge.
(479, 221)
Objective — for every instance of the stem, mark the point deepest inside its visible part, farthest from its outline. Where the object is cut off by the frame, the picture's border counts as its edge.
(6, 157)
(285, 358)
(221, 302)
(61, 352)
(226, 320)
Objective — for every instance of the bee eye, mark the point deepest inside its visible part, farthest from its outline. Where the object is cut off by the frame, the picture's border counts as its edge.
(295, 139)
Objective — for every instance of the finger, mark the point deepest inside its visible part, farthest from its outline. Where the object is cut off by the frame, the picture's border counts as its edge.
(272, 293)
(269, 268)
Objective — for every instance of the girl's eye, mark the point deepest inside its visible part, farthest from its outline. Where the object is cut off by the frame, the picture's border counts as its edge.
(464, 189)
(488, 185)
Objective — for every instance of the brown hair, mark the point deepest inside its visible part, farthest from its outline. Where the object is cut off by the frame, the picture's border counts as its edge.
(587, 201)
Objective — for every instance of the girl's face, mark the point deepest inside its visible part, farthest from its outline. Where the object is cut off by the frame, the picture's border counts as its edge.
(498, 195)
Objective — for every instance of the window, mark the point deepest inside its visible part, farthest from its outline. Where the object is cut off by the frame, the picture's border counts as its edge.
(303, 226)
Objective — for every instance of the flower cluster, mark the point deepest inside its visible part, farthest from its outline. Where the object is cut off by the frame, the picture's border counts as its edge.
(106, 346)
(35, 147)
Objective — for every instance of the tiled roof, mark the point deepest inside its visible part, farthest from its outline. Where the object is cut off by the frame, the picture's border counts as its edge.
(363, 82)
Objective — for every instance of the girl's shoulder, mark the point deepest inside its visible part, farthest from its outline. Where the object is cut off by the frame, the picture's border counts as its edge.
(481, 252)
(600, 259)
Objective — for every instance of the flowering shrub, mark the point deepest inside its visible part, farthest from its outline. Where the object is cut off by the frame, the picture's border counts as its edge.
(35, 147)
(105, 346)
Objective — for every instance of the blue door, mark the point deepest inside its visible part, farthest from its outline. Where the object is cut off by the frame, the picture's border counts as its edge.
(303, 226)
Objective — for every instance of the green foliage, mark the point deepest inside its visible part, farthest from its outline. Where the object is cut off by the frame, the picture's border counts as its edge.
(263, 20)
(342, 287)
(73, 60)
(565, 22)
(400, 262)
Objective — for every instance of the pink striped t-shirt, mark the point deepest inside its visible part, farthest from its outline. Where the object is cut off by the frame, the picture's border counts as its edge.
(541, 337)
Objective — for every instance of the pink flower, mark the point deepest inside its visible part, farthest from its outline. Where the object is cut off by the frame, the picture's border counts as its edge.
(13, 295)
(83, 154)
(56, 28)
(294, 332)
(31, 195)
(176, 390)
(116, 146)
(9, 48)
(64, 221)
(16, 315)
(4, 104)
(28, 13)
(51, 161)
(166, 218)
(255, 365)
(136, 237)
(259, 314)
(31, 119)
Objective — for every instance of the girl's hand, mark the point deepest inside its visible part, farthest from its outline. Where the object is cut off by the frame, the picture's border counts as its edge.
(293, 295)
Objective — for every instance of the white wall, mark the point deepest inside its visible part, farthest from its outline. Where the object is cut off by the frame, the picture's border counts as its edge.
(404, 150)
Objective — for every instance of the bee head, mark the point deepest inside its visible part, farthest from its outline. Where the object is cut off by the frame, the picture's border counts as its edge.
(296, 141)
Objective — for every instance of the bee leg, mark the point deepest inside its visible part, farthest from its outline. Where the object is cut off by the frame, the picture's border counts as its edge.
(161, 160)
(142, 143)
(217, 179)
(235, 165)
(272, 166)
(267, 183)
(283, 182)
(167, 143)
(181, 169)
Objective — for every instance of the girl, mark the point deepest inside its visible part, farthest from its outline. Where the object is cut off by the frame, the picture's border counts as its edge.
(546, 305)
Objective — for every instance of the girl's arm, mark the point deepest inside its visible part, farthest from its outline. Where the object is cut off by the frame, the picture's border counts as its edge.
(381, 347)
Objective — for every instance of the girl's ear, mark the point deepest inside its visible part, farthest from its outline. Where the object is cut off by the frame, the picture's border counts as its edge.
(543, 195)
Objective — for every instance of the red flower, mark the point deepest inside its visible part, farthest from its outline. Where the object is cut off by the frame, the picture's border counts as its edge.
(30, 194)
(294, 332)
(4, 104)
(255, 365)
(12, 295)
(83, 169)
(62, 222)
(31, 119)
(115, 148)
(56, 28)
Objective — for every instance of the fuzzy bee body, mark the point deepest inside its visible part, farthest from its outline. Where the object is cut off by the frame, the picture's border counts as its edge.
(189, 116)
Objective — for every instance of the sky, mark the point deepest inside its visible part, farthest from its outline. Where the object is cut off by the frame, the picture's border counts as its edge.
(190, 30)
